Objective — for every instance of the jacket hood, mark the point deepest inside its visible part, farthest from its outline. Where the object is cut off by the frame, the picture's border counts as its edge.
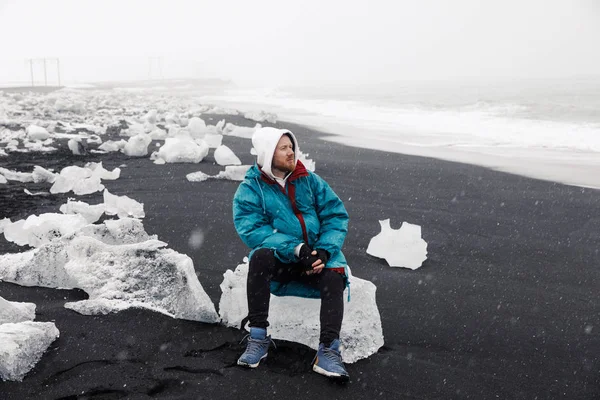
(265, 141)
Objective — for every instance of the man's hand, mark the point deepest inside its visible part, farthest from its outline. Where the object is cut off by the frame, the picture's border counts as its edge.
(306, 257)
(320, 258)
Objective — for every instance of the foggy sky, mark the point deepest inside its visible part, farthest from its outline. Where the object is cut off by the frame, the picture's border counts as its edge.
(279, 42)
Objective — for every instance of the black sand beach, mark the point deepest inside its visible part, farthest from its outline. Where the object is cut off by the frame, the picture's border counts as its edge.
(505, 307)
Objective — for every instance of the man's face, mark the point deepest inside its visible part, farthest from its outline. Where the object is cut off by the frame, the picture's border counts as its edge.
(283, 158)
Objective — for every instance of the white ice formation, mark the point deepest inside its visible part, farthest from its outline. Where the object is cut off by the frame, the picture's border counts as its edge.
(83, 180)
(119, 266)
(12, 311)
(225, 156)
(261, 116)
(402, 247)
(232, 173)
(22, 342)
(296, 319)
(37, 230)
(91, 213)
(122, 206)
(182, 149)
(22, 345)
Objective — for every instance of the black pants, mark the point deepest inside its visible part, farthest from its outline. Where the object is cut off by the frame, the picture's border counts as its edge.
(264, 267)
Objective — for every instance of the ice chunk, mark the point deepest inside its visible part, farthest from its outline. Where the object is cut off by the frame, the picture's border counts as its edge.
(240, 131)
(83, 180)
(122, 206)
(133, 130)
(90, 213)
(225, 156)
(158, 134)
(213, 140)
(261, 116)
(22, 345)
(12, 311)
(119, 266)
(232, 172)
(402, 247)
(111, 145)
(35, 132)
(197, 127)
(41, 174)
(171, 118)
(102, 173)
(16, 176)
(182, 149)
(138, 275)
(296, 319)
(77, 147)
(150, 116)
(3, 223)
(197, 176)
(308, 163)
(137, 146)
(3, 180)
(37, 230)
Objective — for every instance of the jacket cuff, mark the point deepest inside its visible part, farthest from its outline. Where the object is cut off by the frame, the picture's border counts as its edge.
(297, 249)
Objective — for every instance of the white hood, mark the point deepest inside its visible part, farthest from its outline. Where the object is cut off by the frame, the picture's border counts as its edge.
(265, 141)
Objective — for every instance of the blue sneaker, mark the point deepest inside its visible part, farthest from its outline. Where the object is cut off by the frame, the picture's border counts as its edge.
(256, 349)
(328, 362)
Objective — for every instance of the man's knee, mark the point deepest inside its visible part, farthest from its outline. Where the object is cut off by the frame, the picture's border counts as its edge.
(332, 281)
(262, 257)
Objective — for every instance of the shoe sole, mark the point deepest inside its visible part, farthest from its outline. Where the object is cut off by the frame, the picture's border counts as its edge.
(244, 364)
(331, 375)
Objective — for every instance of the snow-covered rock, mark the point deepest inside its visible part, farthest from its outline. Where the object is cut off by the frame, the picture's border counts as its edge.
(402, 247)
(296, 319)
(225, 156)
(22, 345)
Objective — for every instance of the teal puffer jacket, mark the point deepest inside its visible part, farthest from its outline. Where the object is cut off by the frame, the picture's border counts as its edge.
(264, 217)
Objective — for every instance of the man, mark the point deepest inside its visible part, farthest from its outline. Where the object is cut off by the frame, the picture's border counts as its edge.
(295, 225)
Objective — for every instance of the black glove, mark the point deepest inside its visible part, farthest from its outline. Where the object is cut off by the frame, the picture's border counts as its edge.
(306, 258)
(323, 255)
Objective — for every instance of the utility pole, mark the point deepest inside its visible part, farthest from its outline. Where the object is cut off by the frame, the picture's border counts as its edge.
(44, 62)
(31, 70)
(156, 64)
